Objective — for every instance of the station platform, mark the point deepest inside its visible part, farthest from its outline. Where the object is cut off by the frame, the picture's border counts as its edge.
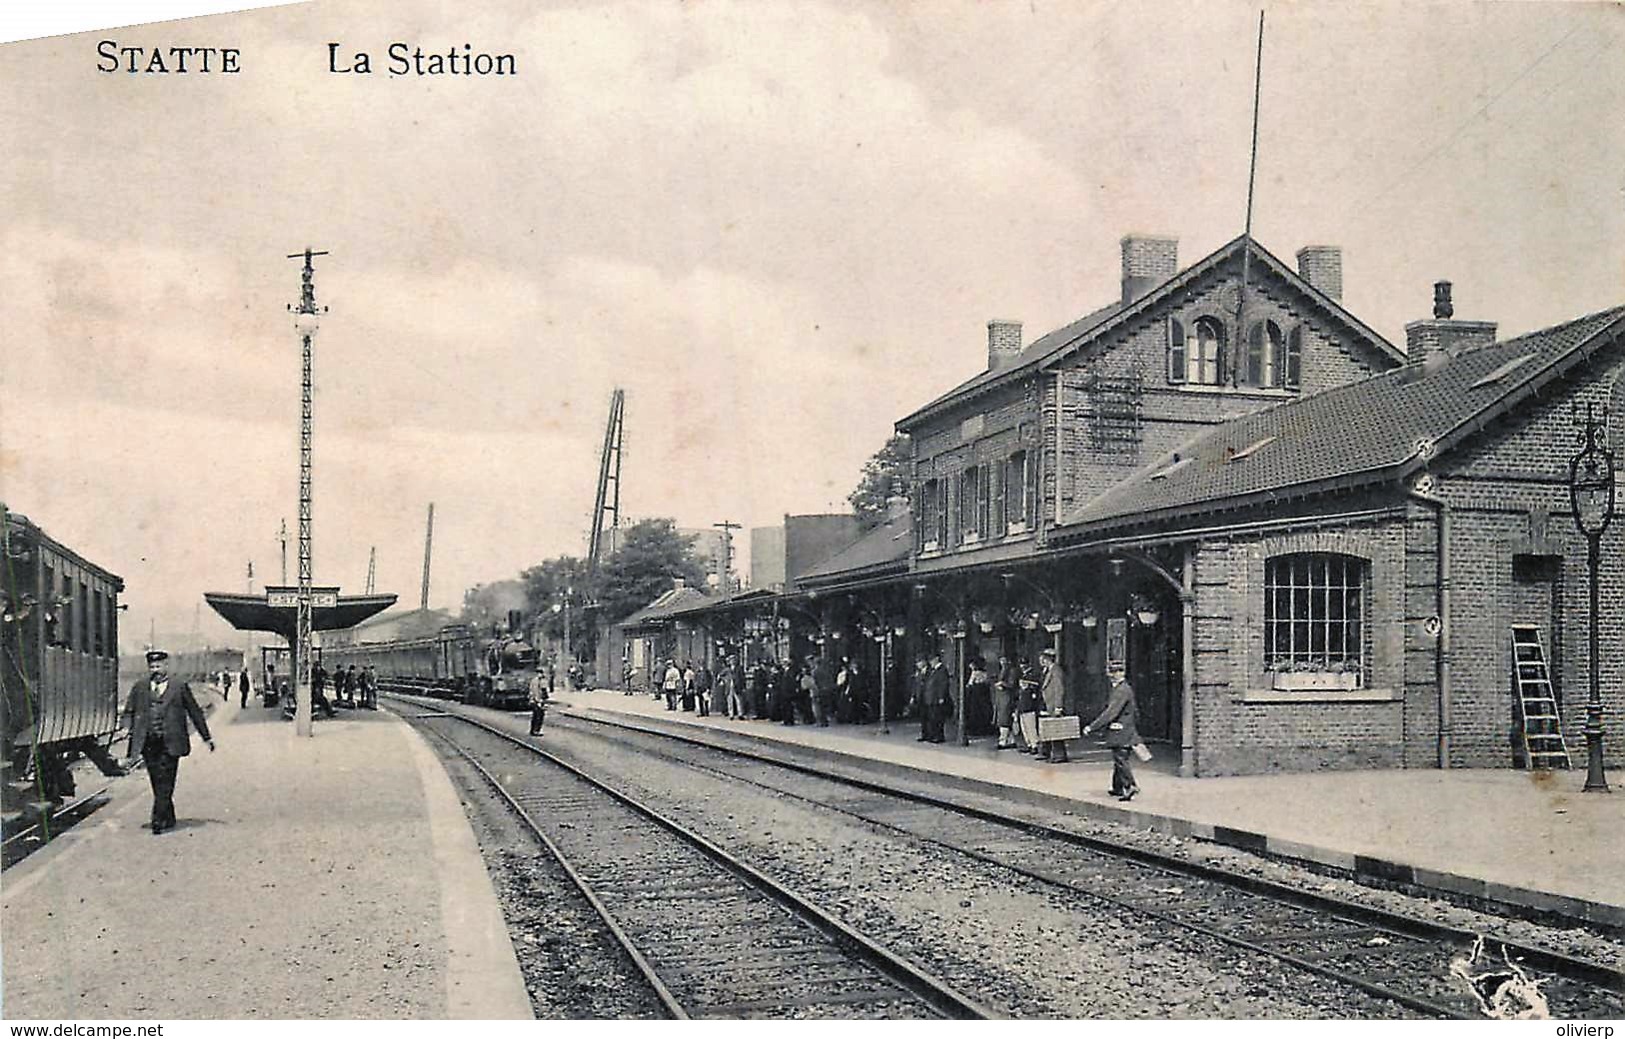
(335, 876)
(1529, 841)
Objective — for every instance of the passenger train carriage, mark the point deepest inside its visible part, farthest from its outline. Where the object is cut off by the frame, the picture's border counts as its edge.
(454, 663)
(59, 635)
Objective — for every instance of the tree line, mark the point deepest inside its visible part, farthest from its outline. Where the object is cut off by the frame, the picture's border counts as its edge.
(649, 556)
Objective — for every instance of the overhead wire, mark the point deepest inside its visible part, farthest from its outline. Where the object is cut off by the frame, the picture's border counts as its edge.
(1462, 127)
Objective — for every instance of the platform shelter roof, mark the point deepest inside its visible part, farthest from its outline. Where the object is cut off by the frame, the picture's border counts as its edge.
(258, 613)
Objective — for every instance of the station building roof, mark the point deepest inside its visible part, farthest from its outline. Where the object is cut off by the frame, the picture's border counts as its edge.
(1095, 327)
(882, 551)
(1376, 430)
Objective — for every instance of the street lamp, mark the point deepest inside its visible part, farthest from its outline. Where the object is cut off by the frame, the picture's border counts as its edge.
(875, 626)
(564, 599)
(1591, 492)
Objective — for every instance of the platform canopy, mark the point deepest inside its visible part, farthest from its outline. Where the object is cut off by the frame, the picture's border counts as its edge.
(276, 610)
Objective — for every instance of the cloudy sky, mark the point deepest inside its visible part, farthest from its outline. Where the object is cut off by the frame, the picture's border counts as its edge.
(779, 225)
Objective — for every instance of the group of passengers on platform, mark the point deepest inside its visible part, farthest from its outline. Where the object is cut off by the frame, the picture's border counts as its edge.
(351, 688)
(815, 691)
(1009, 697)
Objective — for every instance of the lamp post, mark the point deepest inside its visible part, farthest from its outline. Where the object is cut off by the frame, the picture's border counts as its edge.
(563, 606)
(874, 625)
(1591, 492)
(306, 319)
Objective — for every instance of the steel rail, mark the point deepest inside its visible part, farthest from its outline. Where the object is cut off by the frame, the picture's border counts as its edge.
(934, 992)
(1055, 880)
(1575, 968)
(655, 982)
(47, 829)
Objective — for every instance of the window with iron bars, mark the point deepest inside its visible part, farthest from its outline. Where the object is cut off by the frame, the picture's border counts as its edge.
(1314, 613)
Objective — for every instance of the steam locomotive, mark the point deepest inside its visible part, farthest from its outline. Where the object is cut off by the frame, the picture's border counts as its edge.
(455, 664)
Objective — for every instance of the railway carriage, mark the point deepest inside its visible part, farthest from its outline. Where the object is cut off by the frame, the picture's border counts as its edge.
(59, 633)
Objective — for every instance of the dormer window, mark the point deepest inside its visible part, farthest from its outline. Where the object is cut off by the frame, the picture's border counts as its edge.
(1196, 355)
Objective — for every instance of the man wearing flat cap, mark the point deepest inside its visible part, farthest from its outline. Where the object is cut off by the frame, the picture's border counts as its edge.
(156, 714)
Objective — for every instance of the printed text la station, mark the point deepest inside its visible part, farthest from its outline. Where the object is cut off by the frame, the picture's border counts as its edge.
(400, 59)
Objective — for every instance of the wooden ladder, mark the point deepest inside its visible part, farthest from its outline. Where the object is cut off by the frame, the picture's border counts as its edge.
(1537, 707)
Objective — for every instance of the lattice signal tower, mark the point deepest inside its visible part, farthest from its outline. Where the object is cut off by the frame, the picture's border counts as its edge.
(607, 502)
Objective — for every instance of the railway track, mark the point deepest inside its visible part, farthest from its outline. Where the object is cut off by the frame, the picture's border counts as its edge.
(36, 835)
(712, 936)
(1428, 966)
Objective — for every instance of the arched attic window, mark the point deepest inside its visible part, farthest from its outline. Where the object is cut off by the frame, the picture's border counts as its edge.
(1274, 359)
(1196, 355)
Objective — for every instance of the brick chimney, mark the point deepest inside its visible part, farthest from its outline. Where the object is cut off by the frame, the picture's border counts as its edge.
(1322, 267)
(1437, 340)
(1003, 342)
(1148, 261)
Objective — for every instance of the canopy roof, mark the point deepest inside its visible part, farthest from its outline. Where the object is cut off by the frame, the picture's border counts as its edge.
(255, 613)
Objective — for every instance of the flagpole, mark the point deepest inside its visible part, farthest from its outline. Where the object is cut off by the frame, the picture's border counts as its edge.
(1247, 233)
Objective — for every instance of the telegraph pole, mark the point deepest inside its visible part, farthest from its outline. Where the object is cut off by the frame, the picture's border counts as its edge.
(306, 319)
(248, 653)
(282, 536)
(725, 558)
(1239, 347)
(428, 550)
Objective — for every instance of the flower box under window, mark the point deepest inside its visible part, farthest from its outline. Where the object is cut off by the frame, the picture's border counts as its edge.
(1315, 681)
(929, 546)
(1017, 527)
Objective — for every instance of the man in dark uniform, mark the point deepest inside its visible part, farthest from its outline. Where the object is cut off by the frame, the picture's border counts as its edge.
(922, 668)
(242, 689)
(934, 702)
(156, 714)
(1122, 733)
(539, 694)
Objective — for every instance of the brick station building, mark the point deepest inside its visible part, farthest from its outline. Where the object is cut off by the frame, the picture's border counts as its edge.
(1353, 562)
(1307, 547)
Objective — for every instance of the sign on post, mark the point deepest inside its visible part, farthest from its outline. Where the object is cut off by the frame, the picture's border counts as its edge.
(288, 598)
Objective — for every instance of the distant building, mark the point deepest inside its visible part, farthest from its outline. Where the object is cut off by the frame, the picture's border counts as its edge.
(778, 554)
(658, 633)
(389, 627)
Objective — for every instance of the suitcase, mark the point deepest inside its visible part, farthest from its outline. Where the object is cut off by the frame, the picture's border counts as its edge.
(1064, 727)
